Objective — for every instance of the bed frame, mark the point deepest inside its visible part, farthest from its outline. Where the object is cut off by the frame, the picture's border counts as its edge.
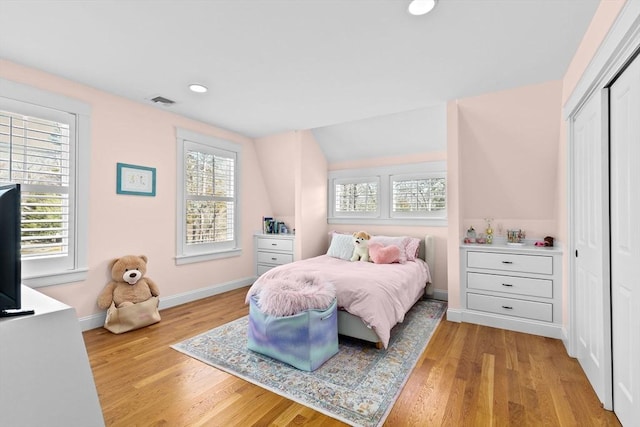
(353, 326)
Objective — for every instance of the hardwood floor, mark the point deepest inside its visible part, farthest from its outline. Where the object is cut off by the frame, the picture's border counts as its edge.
(469, 375)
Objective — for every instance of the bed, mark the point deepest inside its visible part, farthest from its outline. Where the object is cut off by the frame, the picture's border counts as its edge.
(372, 298)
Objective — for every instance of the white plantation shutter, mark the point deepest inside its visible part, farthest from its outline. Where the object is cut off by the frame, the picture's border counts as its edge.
(407, 194)
(356, 197)
(208, 190)
(210, 183)
(418, 196)
(36, 153)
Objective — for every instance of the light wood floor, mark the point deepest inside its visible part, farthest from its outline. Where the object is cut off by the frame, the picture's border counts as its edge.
(469, 375)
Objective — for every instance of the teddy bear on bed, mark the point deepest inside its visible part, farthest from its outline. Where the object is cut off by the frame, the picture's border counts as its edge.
(360, 246)
(128, 285)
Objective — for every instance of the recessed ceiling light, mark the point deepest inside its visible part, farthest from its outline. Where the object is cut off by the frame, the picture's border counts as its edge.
(198, 88)
(421, 7)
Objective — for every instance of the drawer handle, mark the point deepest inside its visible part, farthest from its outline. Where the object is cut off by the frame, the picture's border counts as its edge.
(507, 307)
(274, 259)
(274, 244)
(507, 284)
(507, 262)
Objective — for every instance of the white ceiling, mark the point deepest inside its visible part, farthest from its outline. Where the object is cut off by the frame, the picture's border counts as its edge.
(278, 65)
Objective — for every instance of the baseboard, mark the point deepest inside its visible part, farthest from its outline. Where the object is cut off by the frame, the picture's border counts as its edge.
(551, 330)
(97, 320)
(440, 294)
(454, 315)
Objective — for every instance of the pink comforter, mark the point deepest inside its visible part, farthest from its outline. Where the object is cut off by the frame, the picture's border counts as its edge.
(380, 294)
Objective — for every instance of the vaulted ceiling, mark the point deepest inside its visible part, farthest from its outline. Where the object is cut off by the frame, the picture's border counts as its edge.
(279, 65)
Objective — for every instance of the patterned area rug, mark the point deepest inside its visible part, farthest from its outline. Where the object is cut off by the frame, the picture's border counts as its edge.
(359, 385)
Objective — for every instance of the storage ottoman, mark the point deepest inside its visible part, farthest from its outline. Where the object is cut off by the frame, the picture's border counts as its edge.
(305, 340)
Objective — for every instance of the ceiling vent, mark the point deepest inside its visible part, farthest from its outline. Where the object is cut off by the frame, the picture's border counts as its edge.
(162, 101)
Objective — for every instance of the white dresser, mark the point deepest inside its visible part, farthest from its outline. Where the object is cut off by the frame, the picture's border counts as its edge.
(272, 250)
(512, 287)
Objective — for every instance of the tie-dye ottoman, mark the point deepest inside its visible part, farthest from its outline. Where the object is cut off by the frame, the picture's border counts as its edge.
(305, 340)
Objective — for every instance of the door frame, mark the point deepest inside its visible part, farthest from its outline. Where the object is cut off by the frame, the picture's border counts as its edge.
(617, 49)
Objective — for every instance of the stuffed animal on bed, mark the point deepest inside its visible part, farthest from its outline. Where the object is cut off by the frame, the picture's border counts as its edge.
(360, 246)
(128, 285)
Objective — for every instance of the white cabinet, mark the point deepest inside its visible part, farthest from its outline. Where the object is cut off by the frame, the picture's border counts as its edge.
(273, 250)
(512, 287)
(45, 375)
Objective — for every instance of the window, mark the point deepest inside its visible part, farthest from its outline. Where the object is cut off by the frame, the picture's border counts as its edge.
(44, 146)
(357, 197)
(401, 195)
(418, 196)
(208, 194)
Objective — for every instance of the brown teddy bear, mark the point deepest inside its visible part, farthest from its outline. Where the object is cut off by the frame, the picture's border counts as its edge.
(128, 285)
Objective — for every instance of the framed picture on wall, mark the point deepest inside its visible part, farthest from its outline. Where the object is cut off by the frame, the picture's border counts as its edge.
(135, 180)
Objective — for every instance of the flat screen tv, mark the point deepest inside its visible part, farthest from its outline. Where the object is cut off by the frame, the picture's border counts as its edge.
(10, 266)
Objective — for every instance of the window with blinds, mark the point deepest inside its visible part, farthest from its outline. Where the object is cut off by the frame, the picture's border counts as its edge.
(418, 196)
(406, 194)
(356, 197)
(208, 209)
(210, 184)
(36, 153)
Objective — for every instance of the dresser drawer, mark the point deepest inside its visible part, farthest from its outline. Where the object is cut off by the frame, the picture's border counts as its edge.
(275, 244)
(274, 258)
(511, 307)
(541, 264)
(263, 268)
(510, 284)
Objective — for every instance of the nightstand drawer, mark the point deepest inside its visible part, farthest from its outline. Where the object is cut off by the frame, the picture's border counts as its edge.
(262, 268)
(275, 244)
(510, 284)
(511, 307)
(540, 264)
(274, 258)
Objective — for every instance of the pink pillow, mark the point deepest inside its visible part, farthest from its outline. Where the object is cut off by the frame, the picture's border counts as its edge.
(408, 245)
(380, 254)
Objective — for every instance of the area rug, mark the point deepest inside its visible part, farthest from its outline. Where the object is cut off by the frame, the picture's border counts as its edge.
(358, 386)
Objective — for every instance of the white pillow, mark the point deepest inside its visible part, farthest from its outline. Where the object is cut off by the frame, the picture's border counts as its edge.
(341, 246)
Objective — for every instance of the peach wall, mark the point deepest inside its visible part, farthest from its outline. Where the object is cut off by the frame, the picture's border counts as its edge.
(277, 156)
(508, 169)
(130, 132)
(311, 196)
(453, 205)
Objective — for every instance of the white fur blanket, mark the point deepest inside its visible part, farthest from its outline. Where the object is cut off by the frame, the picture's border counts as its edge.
(289, 295)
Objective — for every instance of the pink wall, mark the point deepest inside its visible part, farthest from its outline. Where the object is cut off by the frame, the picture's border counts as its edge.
(508, 169)
(130, 132)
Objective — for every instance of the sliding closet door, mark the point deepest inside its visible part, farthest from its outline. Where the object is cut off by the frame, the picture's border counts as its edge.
(625, 243)
(590, 291)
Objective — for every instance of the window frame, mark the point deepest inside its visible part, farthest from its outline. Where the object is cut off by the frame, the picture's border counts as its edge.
(29, 101)
(385, 176)
(187, 254)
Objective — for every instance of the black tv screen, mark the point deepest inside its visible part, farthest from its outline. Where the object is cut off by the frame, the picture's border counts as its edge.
(10, 272)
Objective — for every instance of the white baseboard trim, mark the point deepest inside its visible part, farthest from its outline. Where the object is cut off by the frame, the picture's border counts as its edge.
(454, 315)
(97, 320)
(551, 330)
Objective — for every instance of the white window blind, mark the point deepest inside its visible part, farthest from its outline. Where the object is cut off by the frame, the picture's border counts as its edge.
(356, 197)
(418, 196)
(210, 202)
(407, 194)
(36, 153)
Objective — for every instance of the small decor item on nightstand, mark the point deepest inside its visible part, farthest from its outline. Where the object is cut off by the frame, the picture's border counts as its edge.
(515, 237)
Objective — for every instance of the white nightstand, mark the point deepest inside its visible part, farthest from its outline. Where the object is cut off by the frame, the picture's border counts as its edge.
(512, 287)
(272, 250)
